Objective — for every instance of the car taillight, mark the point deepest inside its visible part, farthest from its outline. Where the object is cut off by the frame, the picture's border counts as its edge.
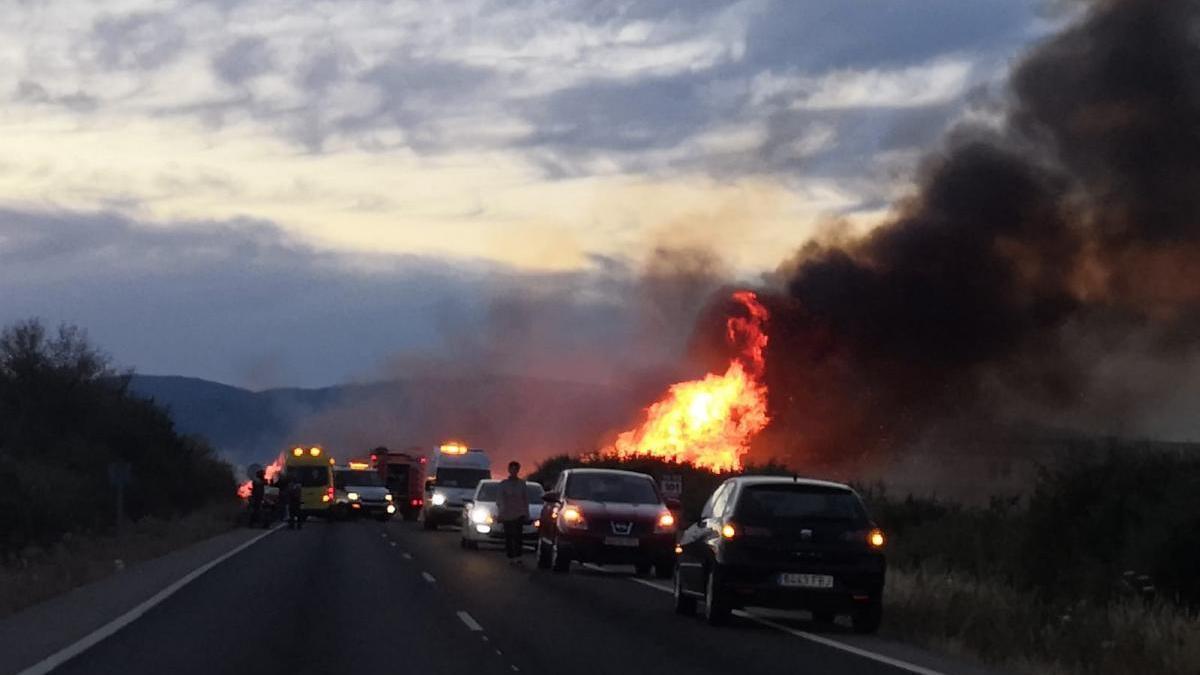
(417, 502)
(328, 495)
(876, 539)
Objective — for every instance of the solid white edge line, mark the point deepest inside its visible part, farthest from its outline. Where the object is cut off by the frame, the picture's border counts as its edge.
(470, 621)
(812, 637)
(107, 630)
(428, 577)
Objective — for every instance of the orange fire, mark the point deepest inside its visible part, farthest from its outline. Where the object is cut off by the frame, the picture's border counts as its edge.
(270, 471)
(710, 422)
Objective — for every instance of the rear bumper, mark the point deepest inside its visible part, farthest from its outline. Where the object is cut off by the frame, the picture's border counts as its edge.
(759, 586)
(588, 547)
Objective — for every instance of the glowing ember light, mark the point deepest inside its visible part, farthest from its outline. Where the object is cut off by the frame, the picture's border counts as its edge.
(710, 422)
(270, 472)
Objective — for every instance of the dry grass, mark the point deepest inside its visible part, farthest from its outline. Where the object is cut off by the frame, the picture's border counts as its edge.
(38, 574)
(1000, 626)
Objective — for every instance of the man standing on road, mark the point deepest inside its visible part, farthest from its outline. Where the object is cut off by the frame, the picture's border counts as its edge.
(512, 510)
(258, 488)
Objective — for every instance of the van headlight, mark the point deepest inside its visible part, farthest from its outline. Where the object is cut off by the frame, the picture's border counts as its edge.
(481, 516)
(438, 499)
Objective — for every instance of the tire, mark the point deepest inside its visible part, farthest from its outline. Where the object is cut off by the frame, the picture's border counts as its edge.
(462, 542)
(664, 570)
(684, 604)
(823, 617)
(716, 601)
(559, 560)
(543, 556)
(428, 525)
(643, 569)
(471, 545)
(867, 619)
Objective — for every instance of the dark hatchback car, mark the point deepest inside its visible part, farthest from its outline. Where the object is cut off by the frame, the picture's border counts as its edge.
(607, 517)
(789, 543)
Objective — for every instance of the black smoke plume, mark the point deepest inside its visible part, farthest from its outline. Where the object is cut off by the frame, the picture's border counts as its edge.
(1032, 248)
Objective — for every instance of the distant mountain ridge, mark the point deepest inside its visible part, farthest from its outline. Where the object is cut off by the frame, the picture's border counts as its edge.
(519, 417)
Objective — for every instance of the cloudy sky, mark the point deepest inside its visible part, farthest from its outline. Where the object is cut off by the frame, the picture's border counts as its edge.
(270, 192)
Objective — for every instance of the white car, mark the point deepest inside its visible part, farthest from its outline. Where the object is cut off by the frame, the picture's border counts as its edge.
(479, 522)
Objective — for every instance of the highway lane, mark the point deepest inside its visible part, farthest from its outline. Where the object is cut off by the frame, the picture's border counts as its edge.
(597, 621)
(331, 598)
(364, 596)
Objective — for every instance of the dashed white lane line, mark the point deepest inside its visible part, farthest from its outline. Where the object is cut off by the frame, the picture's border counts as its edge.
(428, 577)
(71, 651)
(812, 637)
(392, 544)
(470, 622)
(406, 555)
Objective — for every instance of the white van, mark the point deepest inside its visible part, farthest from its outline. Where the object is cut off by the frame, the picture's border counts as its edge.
(451, 475)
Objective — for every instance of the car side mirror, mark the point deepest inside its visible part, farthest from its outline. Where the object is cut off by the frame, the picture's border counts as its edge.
(550, 497)
(673, 504)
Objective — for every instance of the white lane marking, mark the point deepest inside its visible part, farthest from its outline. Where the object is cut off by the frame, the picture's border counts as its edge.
(651, 584)
(470, 621)
(406, 555)
(392, 544)
(516, 669)
(819, 639)
(428, 577)
(107, 630)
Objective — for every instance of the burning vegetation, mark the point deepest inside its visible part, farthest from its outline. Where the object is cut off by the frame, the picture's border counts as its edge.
(270, 472)
(711, 421)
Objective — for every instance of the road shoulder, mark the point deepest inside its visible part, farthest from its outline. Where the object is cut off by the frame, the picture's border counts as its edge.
(39, 631)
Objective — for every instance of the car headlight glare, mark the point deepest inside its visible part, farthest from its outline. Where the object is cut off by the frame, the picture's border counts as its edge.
(388, 496)
(665, 523)
(480, 516)
(438, 499)
(352, 496)
(572, 517)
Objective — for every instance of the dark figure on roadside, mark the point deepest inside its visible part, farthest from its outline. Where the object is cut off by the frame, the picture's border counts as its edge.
(295, 517)
(512, 510)
(258, 488)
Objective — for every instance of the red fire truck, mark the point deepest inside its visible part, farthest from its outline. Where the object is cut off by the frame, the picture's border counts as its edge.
(403, 473)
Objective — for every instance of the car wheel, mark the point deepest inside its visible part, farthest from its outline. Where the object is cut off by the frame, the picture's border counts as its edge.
(559, 560)
(867, 619)
(462, 542)
(643, 569)
(664, 570)
(543, 555)
(716, 600)
(472, 545)
(684, 604)
(823, 617)
(428, 524)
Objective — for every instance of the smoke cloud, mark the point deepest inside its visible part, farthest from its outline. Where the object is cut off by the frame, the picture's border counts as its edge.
(1033, 252)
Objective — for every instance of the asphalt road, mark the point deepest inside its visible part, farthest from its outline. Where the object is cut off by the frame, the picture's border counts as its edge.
(366, 597)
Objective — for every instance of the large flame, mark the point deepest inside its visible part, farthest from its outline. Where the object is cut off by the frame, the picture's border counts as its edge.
(270, 471)
(710, 422)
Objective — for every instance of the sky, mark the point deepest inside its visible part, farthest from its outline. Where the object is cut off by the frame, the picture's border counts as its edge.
(268, 193)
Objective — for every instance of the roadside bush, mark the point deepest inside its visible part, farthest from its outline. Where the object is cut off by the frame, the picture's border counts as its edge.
(65, 416)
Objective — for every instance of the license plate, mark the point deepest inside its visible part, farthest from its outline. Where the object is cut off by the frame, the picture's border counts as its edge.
(628, 542)
(806, 580)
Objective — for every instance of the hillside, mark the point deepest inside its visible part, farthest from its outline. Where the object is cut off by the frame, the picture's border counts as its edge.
(518, 417)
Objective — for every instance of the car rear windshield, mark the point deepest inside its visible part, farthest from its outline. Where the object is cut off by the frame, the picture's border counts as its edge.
(357, 479)
(462, 478)
(768, 503)
(487, 492)
(599, 487)
(309, 476)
